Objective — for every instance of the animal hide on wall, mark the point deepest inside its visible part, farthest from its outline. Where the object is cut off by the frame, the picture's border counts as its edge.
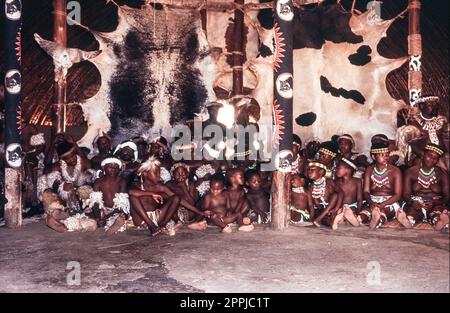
(158, 68)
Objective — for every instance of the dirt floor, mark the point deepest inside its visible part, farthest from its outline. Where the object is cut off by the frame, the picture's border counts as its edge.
(301, 259)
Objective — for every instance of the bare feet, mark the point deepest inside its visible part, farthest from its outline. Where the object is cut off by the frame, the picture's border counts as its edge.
(376, 214)
(246, 228)
(227, 230)
(403, 219)
(424, 226)
(198, 226)
(350, 217)
(443, 220)
(156, 231)
(337, 219)
(120, 221)
(55, 225)
(317, 224)
(392, 224)
(178, 225)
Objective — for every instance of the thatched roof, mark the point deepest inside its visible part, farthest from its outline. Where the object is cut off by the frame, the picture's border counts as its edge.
(83, 79)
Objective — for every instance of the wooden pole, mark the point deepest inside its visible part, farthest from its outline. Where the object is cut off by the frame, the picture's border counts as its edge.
(414, 51)
(283, 99)
(60, 37)
(238, 52)
(13, 123)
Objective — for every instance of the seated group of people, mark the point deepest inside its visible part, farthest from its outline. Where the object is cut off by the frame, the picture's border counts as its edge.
(342, 187)
(138, 184)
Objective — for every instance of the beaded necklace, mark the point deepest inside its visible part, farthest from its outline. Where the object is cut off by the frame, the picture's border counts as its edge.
(380, 178)
(319, 187)
(426, 179)
(431, 125)
(298, 190)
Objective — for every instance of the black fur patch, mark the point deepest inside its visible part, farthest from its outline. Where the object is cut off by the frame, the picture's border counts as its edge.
(133, 88)
(315, 24)
(191, 91)
(325, 22)
(362, 56)
(264, 51)
(306, 119)
(265, 16)
(341, 92)
(129, 85)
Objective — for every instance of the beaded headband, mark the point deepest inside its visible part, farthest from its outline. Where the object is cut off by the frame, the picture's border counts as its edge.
(110, 161)
(425, 99)
(317, 164)
(348, 138)
(242, 154)
(379, 150)
(327, 152)
(350, 163)
(435, 149)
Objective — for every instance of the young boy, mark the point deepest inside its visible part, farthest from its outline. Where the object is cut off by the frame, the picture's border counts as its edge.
(353, 193)
(302, 209)
(238, 202)
(216, 201)
(109, 203)
(327, 196)
(181, 186)
(161, 199)
(382, 188)
(257, 198)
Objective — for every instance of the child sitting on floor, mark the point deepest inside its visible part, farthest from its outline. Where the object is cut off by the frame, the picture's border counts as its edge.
(302, 210)
(257, 198)
(150, 197)
(238, 202)
(216, 202)
(353, 193)
(109, 202)
(326, 195)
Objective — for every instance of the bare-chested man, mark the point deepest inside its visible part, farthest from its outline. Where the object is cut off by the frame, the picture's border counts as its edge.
(382, 188)
(425, 191)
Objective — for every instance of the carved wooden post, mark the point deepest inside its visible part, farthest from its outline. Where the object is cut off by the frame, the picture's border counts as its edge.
(238, 51)
(13, 116)
(283, 95)
(414, 51)
(60, 37)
